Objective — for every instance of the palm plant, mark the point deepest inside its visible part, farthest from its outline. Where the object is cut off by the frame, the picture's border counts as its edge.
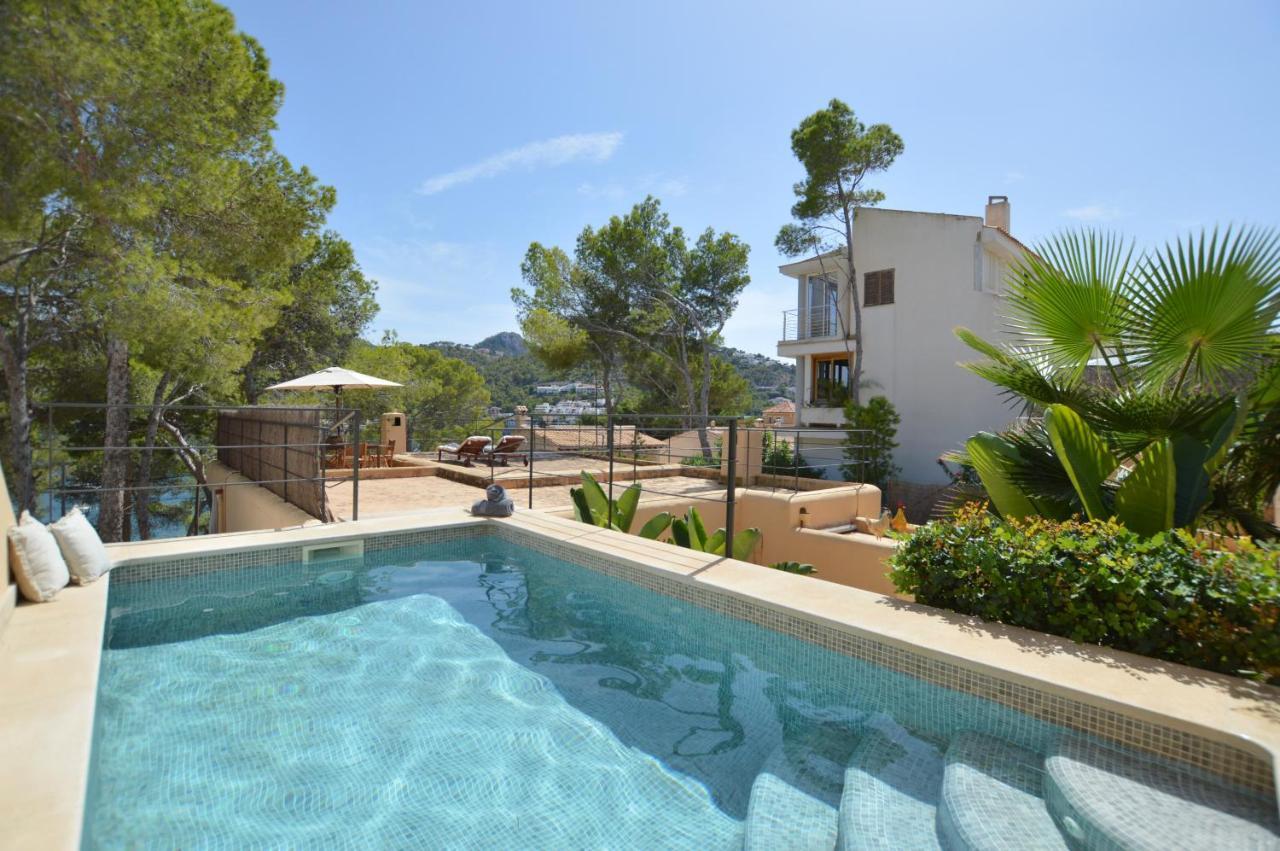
(1158, 378)
(592, 505)
(691, 533)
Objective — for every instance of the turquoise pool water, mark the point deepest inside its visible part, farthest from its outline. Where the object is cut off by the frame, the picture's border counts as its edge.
(474, 694)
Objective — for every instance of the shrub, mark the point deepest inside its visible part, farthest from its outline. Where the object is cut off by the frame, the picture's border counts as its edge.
(1169, 595)
(869, 442)
(779, 458)
(700, 460)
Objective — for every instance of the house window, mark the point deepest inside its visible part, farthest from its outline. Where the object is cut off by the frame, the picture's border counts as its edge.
(821, 318)
(830, 381)
(877, 288)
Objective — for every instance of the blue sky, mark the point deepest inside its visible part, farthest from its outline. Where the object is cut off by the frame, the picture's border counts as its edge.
(458, 133)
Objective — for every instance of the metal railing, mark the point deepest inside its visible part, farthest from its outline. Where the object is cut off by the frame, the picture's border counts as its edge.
(645, 449)
(323, 448)
(176, 455)
(811, 323)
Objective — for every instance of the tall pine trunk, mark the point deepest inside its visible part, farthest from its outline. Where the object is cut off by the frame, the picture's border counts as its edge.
(142, 497)
(855, 371)
(190, 457)
(115, 461)
(14, 358)
(704, 401)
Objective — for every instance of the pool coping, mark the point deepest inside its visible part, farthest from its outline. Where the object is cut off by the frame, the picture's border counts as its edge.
(50, 653)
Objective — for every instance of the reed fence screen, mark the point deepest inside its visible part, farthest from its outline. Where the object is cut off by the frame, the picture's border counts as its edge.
(281, 449)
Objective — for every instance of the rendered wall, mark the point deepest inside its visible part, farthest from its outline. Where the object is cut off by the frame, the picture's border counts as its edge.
(859, 561)
(246, 507)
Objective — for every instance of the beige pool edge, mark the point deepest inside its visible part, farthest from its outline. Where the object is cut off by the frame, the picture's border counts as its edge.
(50, 655)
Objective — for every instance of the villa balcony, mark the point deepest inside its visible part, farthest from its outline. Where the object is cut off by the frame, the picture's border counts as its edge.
(813, 323)
(810, 331)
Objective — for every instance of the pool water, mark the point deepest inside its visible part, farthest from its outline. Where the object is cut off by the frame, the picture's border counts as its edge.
(474, 694)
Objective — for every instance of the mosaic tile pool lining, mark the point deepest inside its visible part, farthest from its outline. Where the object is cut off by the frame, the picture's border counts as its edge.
(1234, 764)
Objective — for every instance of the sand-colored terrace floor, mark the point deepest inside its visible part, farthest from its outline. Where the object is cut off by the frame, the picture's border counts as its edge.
(395, 496)
(545, 465)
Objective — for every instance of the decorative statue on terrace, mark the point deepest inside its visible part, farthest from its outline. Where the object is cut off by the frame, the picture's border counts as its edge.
(496, 503)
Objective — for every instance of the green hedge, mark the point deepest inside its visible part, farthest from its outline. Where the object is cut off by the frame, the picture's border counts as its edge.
(1169, 595)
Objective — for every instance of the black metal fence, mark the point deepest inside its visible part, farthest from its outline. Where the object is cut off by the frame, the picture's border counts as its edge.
(626, 448)
(301, 453)
(281, 449)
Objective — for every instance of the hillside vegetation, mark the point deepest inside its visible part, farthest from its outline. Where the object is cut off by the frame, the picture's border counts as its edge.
(511, 372)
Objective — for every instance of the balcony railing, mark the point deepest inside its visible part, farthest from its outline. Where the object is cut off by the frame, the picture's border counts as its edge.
(810, 323)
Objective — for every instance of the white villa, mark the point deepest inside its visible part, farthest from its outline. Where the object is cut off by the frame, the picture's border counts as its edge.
(920, 276)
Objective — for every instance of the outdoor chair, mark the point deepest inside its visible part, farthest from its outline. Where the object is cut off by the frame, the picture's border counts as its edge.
(506, 449)
(371, 454)
(466, 451)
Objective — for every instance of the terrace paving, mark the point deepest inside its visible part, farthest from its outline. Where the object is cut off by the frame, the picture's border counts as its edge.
(396, 496)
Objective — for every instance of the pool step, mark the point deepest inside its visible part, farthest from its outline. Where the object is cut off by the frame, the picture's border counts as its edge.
(1106, 799)
(786, 812)
(891, 787)
(992, 797)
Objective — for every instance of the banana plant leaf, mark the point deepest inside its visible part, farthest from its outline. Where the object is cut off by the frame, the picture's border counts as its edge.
(744, 543)
(680, 535)
(715, 544)
(1195, 462)
(802, 568)
(991, 455)
(624, 510)
(596, 499)
(1146, 498)
(698, 530)
(581, 510)
(657, 524)
(1086, 458)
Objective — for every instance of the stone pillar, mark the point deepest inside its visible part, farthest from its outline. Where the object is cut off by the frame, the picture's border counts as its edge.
(395, 427)
(750, 455)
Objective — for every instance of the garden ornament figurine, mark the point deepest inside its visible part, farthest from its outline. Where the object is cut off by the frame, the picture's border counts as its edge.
(496, 503)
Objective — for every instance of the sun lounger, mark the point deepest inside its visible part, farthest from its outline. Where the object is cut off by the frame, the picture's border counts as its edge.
(466, 451)
(506, 449)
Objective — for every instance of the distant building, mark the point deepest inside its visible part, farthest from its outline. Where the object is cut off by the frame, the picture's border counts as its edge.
(570, 388)
(780, 414)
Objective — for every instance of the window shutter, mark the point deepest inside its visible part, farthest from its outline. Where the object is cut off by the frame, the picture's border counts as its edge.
(877, 288)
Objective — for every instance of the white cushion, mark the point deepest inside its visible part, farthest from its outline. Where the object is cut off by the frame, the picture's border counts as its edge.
(81, 547)
(38, 565)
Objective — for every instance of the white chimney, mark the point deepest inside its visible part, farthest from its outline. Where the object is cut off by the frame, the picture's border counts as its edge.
(998, 212)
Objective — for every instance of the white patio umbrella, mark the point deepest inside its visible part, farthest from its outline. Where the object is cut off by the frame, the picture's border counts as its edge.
(337, 378)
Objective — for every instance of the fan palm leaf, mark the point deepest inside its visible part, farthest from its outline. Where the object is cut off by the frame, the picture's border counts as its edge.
(1203, 308)
(1066, 300)
(1022, 374)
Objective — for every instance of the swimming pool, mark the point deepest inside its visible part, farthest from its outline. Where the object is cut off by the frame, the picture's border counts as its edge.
(475, 693)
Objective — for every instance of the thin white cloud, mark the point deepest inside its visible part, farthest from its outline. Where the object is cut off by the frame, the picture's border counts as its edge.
(1094, 213)
(1014, 177)
(594, 147)
(618, 190)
